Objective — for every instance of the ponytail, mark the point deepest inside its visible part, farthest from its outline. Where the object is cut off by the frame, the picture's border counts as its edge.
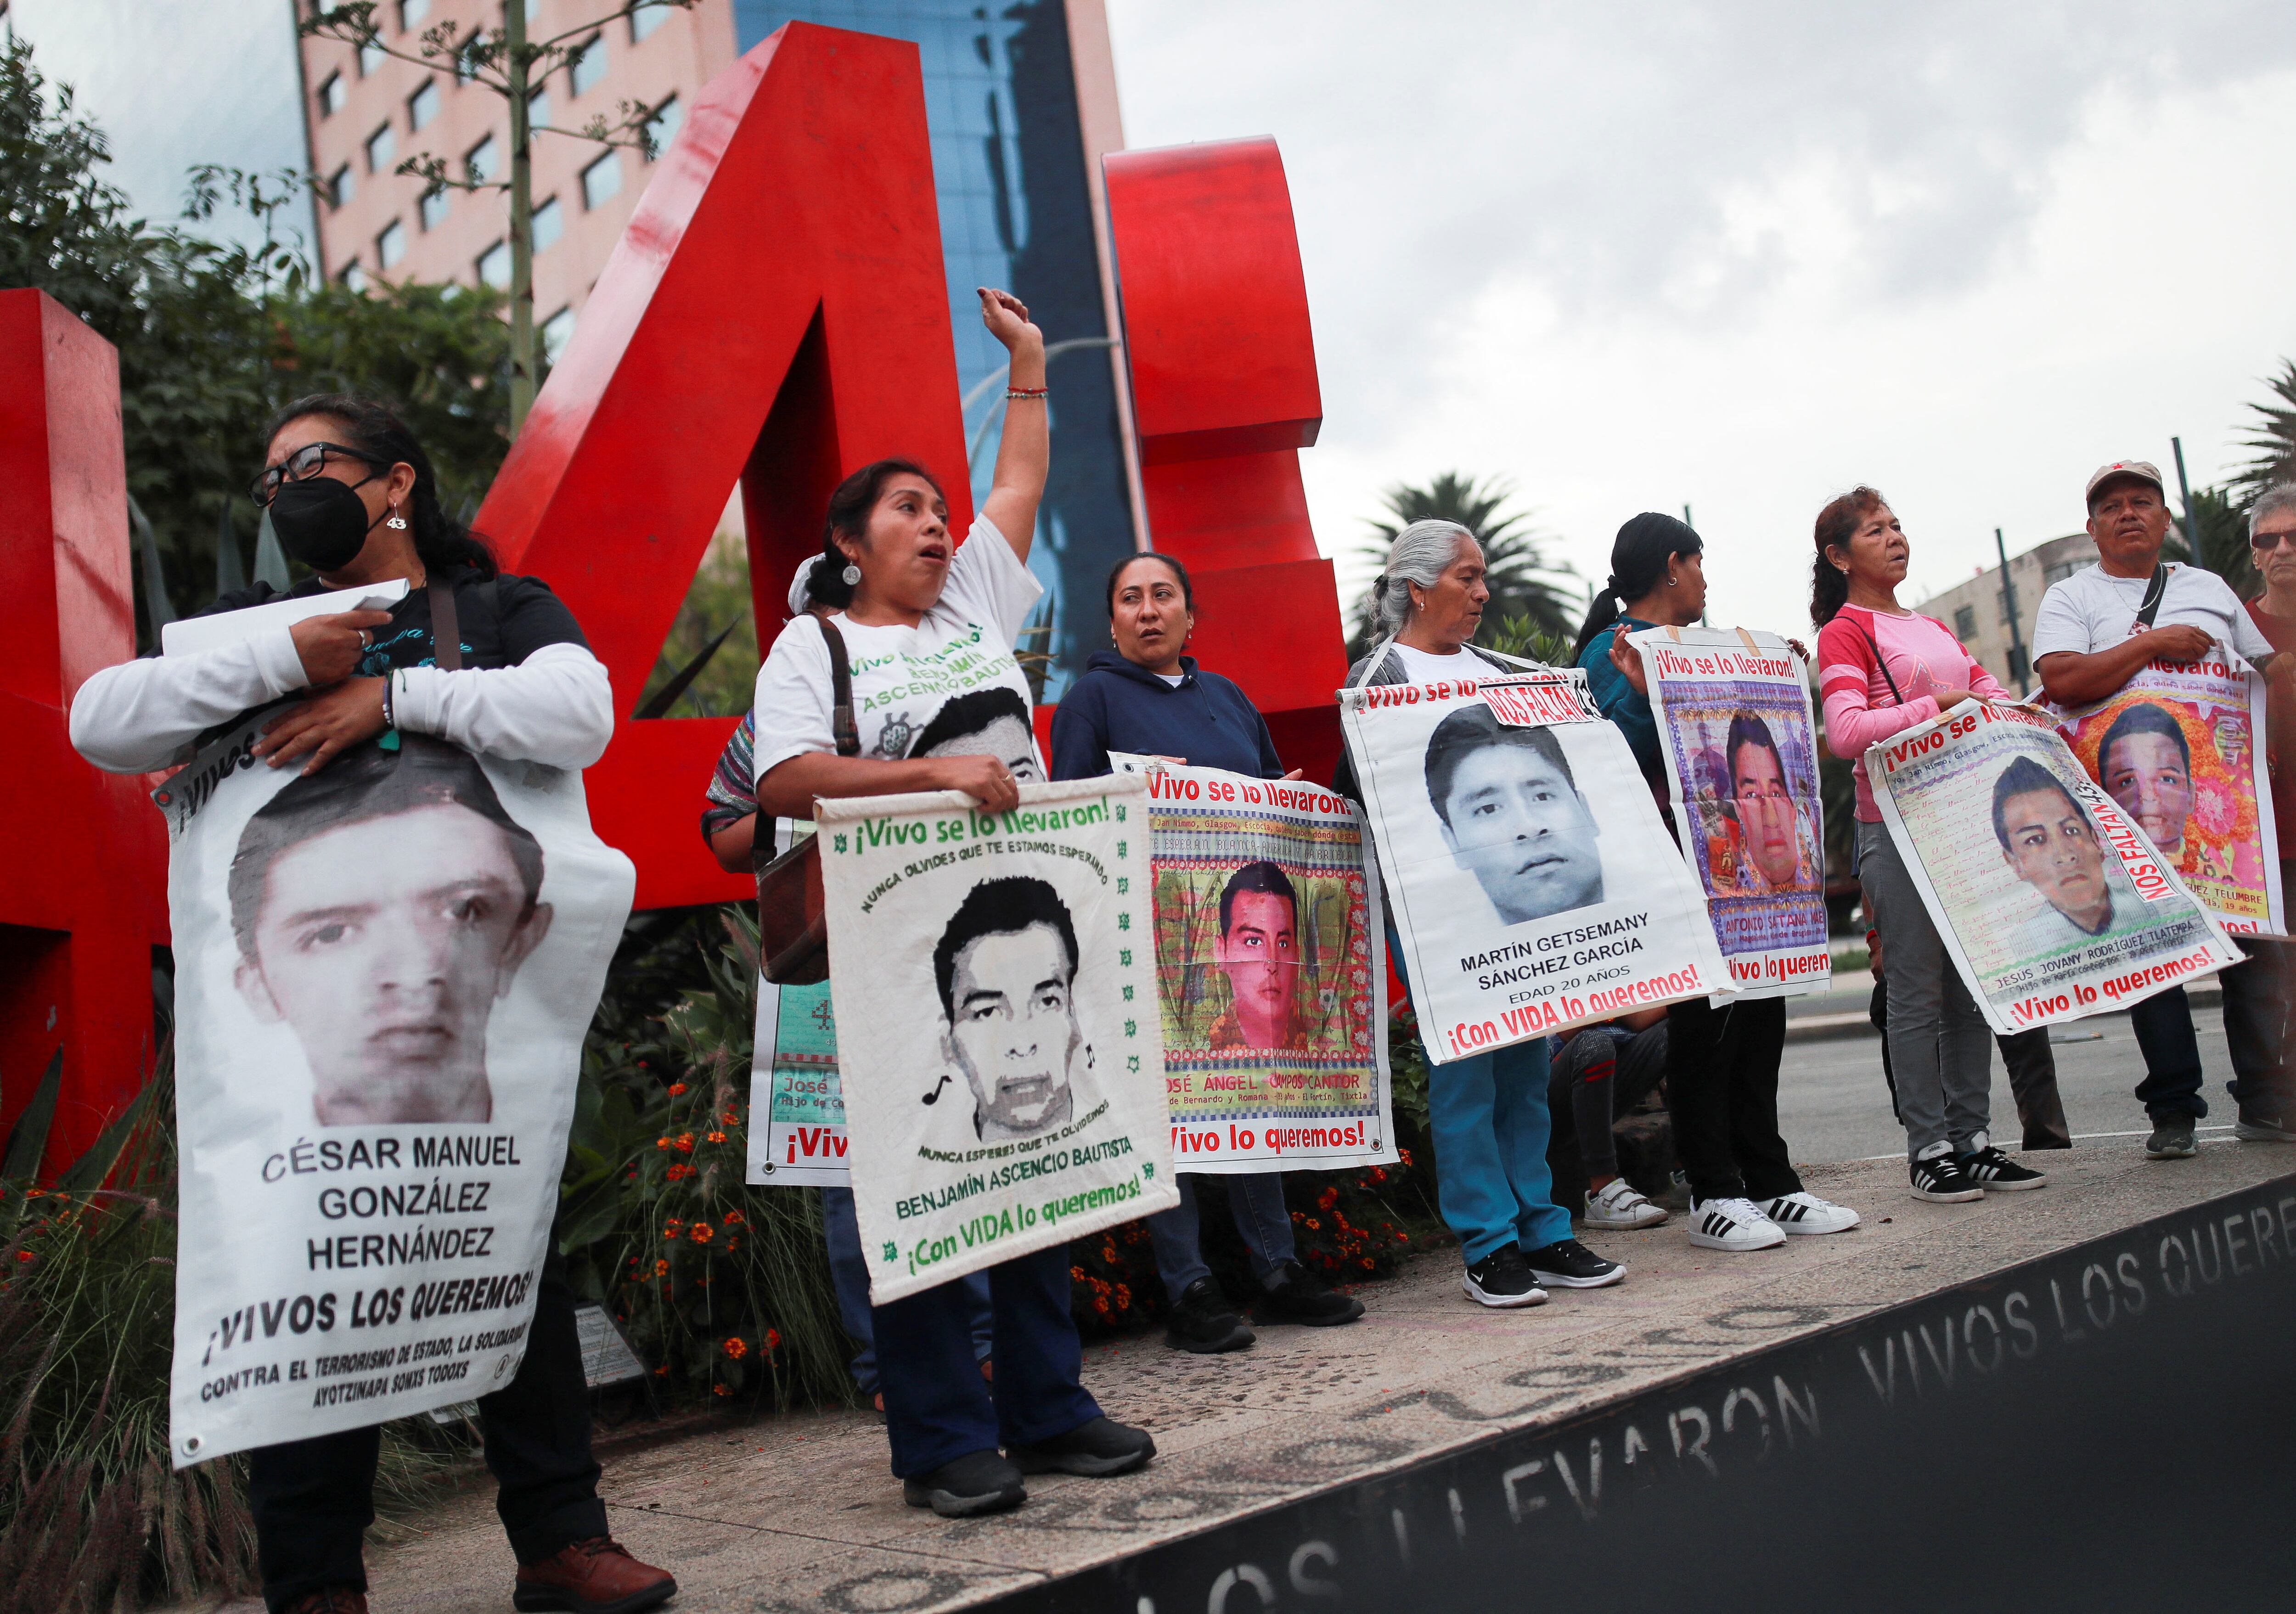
(1645, 546)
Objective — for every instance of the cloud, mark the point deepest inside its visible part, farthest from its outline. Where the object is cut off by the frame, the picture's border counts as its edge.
(1742, 256)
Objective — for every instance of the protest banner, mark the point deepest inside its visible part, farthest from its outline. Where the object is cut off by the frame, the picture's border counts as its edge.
(2179, 748)
(1271, 972)
(1740, 741)
(796, 1104)
(383, 975)
(1523, 909)
(2050, 899)
(1003, 1064)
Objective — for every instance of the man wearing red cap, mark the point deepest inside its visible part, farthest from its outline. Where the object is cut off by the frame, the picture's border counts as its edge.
(2096, 631)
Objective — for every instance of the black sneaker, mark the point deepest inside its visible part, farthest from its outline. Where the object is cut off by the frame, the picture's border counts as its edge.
(1941, 1180)
(1202, 1322)
(2171, 1139)
(1299, 1296)
(1993, 1170)
(1503, 1278)
(1567, 1264)
(978, 1482)
(1097, 1449)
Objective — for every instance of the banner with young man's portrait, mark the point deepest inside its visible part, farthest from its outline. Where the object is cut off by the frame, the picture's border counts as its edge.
(1530, 879)
(384, 971)
(796, 1104)
(2051, 900)
(998, 1043)
(2181, 749)
(1272, 971)
(1735, 726)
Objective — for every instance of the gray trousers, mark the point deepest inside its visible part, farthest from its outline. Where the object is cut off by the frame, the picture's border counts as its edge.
(1940, 1048)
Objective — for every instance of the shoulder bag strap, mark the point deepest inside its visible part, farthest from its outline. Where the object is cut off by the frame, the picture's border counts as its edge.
(841, 688)
(1880, 660)
(2154, 590)
(446, 627)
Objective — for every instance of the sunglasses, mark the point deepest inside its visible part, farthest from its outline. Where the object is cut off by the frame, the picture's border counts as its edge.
(2264, 543)
(302, 465)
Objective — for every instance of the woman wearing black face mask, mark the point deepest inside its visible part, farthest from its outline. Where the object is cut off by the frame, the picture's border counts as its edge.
(352, 495)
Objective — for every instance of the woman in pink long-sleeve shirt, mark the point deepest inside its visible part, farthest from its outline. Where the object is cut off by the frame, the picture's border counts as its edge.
(1882, 669)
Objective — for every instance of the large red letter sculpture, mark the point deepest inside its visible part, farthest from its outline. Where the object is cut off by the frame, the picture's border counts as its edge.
(83, 901)
(775, 313)
(1225, 394)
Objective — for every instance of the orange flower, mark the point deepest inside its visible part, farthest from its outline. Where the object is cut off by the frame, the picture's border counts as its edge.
(674, 1229)
(685, 1142)
(662, 1142)
(732, 1119)
(717, 1137)
(662, 1372)
(733, 1218)
(676, 1088)
(1313, 1225)
(700, 1232)
(736, 1348)
(661, 1268)
(720, 1389)
(773, 1338)
(731, 1245)
(678, 1173)
(1328, 1198)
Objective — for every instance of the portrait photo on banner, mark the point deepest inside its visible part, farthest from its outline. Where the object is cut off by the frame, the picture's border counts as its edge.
(1738, 736)
(998, 1051)
(2051, 899)
(1533, 884)
(1271, 972)
(2180, 749)
(384, 973)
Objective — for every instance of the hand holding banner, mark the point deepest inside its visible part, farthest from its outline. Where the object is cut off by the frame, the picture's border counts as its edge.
(1736, 725)
(1523, 909)
(998, 1038)
(2050, 899)
(1272, 972)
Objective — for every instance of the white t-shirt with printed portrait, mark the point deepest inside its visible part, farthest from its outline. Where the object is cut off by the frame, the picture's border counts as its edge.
(904, 677)
(2093, 611)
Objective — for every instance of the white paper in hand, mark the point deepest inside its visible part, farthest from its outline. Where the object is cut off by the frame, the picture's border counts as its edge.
(193, 635)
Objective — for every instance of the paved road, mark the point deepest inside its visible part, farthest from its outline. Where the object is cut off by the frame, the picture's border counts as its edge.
(1833, 1106)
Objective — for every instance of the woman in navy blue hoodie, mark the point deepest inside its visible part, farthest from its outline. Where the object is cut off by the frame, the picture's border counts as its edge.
(1145, 696)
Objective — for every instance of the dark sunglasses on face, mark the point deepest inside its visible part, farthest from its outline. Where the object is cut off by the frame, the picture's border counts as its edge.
(302, 465)
(2264, 543)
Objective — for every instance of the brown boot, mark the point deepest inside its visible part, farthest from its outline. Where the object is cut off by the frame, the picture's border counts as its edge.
(330, 1600)
(593, 1577)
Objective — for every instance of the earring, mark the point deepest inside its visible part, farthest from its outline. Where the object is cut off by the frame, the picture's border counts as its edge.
(851, 575)
(397, 522)
(1669, 580)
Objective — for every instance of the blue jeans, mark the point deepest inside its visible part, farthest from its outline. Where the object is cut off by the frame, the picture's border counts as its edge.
(938, 1409)
(1257, 1201)
(850, 1275)
(1489, 1114)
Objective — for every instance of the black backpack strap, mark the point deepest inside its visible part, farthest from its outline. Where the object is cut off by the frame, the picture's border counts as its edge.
(2154, 590)
(841, 688)
(446, 626)
(1880, 660)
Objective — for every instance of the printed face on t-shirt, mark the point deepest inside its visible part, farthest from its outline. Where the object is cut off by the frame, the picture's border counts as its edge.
(2053, 849)
(384, 945)
(2146, 773)
(1524, 831)
(1013, 1029)
(1007, 739)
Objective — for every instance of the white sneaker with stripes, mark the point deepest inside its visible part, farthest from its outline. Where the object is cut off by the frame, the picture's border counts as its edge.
(1732, 1224)
(1804, 1213)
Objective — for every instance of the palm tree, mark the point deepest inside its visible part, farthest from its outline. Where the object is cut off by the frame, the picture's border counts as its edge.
(2221, 522)
(2275, 442)
(1526, 588)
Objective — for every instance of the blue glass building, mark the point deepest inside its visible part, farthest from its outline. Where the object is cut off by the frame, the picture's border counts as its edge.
(1016, 212)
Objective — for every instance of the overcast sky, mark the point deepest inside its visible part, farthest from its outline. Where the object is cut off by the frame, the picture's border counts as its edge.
(1745, 256)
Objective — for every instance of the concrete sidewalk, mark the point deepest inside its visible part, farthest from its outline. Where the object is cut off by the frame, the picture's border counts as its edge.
(802, 1513)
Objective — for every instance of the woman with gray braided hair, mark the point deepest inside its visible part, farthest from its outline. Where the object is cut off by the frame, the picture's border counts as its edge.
(1487, 1113)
